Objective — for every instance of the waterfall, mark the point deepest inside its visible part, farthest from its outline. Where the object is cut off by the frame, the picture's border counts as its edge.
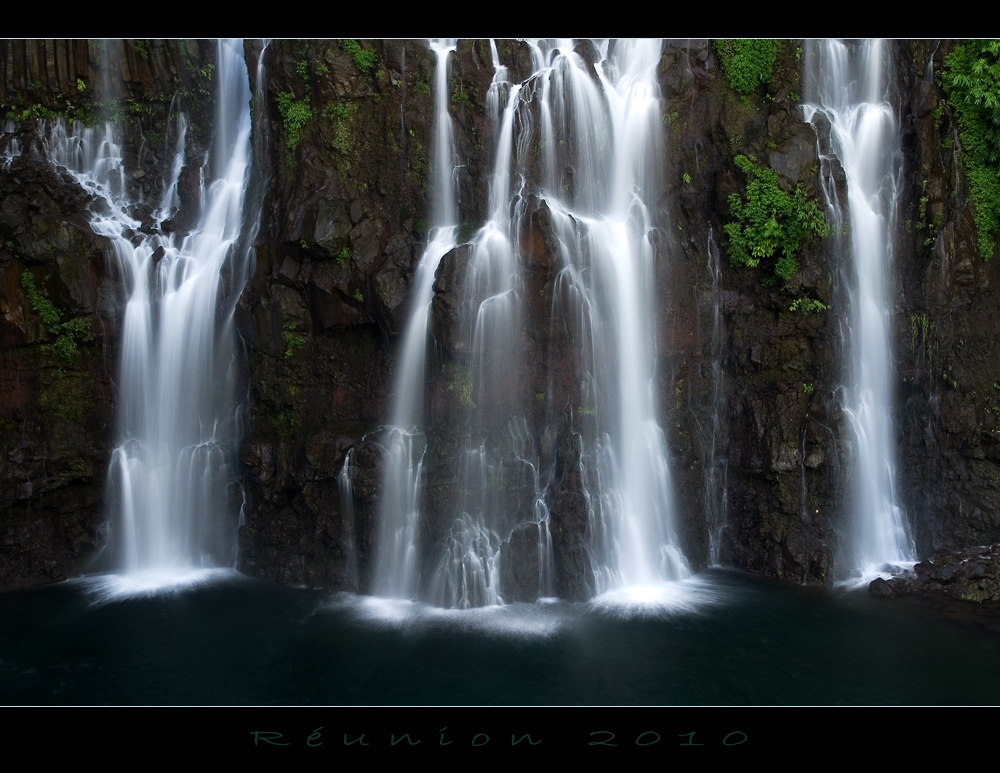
(178, 420)
(851, 85)
(606, 225)
(10, 144)
(396, 568)
(467, 573)
(579, 141)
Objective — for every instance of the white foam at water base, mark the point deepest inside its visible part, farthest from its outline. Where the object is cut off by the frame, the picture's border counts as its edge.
(108, 588)
(655, 600)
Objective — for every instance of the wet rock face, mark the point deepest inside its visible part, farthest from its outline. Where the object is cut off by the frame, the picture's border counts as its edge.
(943, 332)
(520, 566)
(448, 323)
(972, 574)
(55, 410)
(748, 389)
(568, 525)
(57, 399)
(343, 230)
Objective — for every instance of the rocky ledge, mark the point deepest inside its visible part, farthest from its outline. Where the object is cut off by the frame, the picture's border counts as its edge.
(972, 574)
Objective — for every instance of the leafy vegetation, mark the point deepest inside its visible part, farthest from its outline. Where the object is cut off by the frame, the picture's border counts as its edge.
(66, 333)
(85, 112)
(292, 341)
(747, 63)
(294, 115)
(363, 60)
(808, 305)
(972, 81)
(460, 381)
(341, 116)
(770, 221)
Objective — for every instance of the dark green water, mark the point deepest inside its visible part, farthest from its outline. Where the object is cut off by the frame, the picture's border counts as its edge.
(726, 640)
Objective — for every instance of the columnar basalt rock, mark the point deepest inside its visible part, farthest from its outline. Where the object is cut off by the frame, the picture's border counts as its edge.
(746, 388)
(945, 347)
(57, 401)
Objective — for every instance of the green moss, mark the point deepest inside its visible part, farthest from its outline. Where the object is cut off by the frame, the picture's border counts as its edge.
(747, 63)
(422, 87)
(344, 256)
(40, 302)
(460, 381)
(285, 422)
(294, 116)
(292, 341)
(66, 333)
(972, 82)
(341, 115)
(770, 221)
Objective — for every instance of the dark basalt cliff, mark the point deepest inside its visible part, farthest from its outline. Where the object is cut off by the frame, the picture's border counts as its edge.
(759, 446)
(57, 409)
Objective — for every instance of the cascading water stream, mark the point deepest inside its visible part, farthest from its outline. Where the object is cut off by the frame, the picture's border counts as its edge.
(396, 568)
(11, 145)
(605, 224)
(851, 85)
(178, 421)
(467, 573)
(601, 121)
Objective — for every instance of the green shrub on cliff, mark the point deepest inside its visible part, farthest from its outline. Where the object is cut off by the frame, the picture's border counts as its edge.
(972, 82)
(294, 116)
(747, 63)
(770, 220)
(363, 60)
